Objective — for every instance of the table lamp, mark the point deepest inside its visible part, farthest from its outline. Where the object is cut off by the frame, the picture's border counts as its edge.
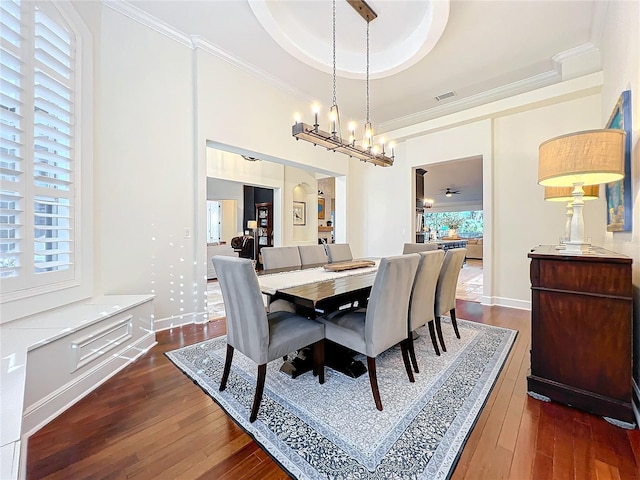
(590, 157)
(564, 194)
(253, 226)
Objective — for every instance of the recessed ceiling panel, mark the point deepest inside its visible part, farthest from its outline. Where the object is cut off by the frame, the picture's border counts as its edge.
(401, 35)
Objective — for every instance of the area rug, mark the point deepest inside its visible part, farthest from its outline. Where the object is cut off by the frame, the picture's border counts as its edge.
(333, 431)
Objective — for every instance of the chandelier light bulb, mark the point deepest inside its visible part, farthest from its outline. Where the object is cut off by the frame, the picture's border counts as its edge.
(333, 117)
(297, 118)
(368, 136)
(352, 133)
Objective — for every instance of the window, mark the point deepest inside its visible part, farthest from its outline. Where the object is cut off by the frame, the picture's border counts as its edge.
(214, 221)
(39, 150)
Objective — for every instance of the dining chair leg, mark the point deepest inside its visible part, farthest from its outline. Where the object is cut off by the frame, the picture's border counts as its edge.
(318, 360)
(432, 333)
(373, 379)
(262, 372)
(454, 322)
(439, 331)
(412, 352)
(404, 346)
(227, 367)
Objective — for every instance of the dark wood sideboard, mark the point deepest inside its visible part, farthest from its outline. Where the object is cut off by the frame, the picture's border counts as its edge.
(581, 330)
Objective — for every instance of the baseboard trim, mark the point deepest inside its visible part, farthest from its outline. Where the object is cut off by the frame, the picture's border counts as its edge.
(506, 302)
(39, 414)
(180, 320)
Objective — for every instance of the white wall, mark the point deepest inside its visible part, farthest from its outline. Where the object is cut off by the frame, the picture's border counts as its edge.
(225, 190)
(300, 186)
(522, 219)
(144, 167)
(621, 65)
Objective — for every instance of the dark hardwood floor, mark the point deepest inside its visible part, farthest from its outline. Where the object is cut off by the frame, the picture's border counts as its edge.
(150, 421)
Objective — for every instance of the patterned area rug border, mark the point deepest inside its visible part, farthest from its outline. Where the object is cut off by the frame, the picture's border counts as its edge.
(420, 434)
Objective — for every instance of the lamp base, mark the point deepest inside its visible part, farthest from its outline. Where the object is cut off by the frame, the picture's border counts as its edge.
(576, 247)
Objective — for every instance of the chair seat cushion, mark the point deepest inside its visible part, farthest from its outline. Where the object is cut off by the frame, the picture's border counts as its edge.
(289, 332)
(346, 328)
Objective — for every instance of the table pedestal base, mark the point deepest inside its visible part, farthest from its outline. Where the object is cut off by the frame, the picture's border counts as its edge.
(337, 357)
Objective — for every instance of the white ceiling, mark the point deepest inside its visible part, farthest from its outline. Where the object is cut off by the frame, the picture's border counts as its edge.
(480, 49)
(497, 47)
(462, 175)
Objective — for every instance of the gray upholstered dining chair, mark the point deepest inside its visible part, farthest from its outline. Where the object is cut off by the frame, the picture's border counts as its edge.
(338, 252)
(419, 247)
(423, 296)
(446, 290)
(383, 323)
(280, 257)
(260, 336)
(312, 254)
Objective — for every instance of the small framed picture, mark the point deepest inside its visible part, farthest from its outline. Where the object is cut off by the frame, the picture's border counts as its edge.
(320, 208)
(299, 213)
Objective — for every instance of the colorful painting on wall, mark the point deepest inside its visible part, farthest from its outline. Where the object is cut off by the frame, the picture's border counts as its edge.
(321, 208)
(619, 193)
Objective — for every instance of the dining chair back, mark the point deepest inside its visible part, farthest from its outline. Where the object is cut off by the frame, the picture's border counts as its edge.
(419, 247)
(383, 323)
(280, 257)
(422, 302)
(338, 252)
(446, 290)
(312, 254)
(261, 336)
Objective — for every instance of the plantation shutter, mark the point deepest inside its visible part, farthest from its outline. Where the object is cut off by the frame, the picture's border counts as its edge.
(12, 94)
(37, 221)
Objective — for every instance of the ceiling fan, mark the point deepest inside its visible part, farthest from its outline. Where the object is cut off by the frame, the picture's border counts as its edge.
(450, 192)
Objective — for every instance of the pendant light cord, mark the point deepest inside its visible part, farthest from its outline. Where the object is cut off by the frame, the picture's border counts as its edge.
(368, 121)
(334, 53)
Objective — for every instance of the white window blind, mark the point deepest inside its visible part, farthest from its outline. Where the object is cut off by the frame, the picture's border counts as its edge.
(37, 195)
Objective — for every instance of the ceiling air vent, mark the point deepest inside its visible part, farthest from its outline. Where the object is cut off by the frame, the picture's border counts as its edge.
(444, 96)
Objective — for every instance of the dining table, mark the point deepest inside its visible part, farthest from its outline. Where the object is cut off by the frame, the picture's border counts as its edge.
(317, 290)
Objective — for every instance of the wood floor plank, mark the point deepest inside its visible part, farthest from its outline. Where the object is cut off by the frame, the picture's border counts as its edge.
(151, 421)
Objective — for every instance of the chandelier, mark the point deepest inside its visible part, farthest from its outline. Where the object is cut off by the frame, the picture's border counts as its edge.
(333, 140)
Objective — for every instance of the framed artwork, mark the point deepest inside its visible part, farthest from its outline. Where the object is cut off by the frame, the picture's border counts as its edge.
(321, 208)
(299, 213)
(618, 193)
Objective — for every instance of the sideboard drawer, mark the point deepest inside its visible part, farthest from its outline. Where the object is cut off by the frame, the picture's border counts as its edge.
(586, 277)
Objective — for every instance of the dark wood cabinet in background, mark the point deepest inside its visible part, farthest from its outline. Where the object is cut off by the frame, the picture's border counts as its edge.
(264, 233)
(581, 330)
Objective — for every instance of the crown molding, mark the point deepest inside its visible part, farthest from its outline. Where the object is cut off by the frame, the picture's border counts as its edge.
(585, 48)
(530, 83)
(197, 42)
(142, 17)
(200, 43)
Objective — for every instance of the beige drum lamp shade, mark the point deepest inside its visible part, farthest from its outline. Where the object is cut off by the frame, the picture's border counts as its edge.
(563, 194)
(252, 224)
(577, 159)
(590, 158)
